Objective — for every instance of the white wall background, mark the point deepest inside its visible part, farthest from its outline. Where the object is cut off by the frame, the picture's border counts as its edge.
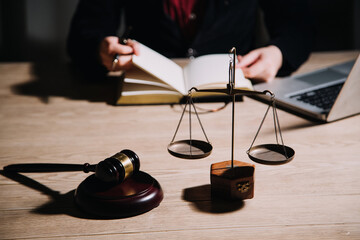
(35, 30)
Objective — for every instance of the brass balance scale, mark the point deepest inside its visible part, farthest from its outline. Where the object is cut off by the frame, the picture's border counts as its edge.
(232, 179)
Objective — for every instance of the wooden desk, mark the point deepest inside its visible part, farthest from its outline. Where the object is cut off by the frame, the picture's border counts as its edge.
(44, 118)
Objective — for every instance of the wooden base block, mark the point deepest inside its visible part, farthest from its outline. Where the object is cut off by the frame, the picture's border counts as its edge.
(232, 183)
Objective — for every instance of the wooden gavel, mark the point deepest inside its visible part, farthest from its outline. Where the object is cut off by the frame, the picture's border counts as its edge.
(114, 169)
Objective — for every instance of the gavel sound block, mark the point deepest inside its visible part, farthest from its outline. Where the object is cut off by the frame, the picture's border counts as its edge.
(118, 189)
(235, 182)
(136, 195)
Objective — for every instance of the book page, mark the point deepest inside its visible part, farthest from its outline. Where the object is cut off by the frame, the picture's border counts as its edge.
(135, 91)
(141, 88)
(212, 71)
(136, 75)
(160, 67)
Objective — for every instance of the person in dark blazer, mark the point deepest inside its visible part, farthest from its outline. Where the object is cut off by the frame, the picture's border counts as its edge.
(191, 28)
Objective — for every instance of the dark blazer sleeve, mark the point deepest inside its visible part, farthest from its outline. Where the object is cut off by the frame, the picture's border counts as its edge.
(92, 21)
(291, 29)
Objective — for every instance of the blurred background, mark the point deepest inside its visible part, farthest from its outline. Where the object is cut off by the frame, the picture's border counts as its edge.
(36, 30)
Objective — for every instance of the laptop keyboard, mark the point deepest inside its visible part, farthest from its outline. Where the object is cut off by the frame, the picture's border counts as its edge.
(322, 98)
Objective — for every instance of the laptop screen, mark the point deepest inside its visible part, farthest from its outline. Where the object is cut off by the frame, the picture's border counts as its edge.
(328, 75)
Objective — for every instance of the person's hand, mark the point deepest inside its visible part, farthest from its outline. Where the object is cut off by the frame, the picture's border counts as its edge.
(262, 64)
(110, 46)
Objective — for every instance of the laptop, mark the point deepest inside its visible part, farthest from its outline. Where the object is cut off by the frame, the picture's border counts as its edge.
(324, 95)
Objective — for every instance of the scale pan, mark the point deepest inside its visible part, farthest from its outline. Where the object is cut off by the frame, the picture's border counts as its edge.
(187, 149)
(271, 154)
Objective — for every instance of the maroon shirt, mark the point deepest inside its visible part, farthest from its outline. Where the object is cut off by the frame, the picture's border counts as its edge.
(187, 13)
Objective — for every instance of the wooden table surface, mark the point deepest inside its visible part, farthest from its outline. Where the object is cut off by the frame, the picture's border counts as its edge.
(47, 118)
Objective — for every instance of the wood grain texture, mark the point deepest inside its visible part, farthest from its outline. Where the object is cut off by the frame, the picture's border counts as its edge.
(45, 116)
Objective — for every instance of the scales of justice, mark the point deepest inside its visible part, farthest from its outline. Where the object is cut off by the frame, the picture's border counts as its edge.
(232, 179)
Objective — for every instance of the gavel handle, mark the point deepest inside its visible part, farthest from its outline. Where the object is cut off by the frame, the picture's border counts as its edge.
(49, 167)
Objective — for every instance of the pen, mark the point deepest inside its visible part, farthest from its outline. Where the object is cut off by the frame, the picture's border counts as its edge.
(123, 40)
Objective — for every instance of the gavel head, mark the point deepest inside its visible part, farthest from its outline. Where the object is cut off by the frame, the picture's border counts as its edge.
(118, 167)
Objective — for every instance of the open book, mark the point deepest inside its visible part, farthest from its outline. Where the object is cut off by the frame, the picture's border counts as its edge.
(156, 79)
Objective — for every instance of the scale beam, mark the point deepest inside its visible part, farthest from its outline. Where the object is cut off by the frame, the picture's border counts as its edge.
(231, 92)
